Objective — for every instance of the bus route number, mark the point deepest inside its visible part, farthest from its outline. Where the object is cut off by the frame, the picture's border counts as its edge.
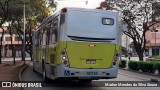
(92, 73)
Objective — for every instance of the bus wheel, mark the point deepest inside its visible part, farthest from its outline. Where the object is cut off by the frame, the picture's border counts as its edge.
(85, 80)
(45, 79)
(34, 70)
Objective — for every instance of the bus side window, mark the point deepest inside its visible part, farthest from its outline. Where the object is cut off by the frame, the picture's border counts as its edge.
(62, 20)
(36, 45)
(40, 37)
(48, 34)
(54, 35)
(44, 38)
(35, 39)
(48, 37)
(54, 31)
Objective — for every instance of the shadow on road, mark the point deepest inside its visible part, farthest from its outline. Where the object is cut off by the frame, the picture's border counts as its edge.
(67, 84)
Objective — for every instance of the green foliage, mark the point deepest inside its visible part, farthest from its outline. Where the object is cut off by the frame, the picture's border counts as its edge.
(156, 11)
(143, 65)
(36, 10)
(133, 65)
(158, 66)
(140, 65)
(152, 68)
(148, 67)
(3, 11)
(156, 57)
(122, 63)
(131, 10)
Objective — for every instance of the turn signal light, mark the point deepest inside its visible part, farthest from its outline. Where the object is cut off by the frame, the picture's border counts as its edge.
(64, 58)
(116, 58)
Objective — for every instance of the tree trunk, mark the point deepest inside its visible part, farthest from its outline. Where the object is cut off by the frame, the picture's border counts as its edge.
(138, 50)
(140, 55)
(31, 56)
(0, 58)
(1, 45)
(13, 53)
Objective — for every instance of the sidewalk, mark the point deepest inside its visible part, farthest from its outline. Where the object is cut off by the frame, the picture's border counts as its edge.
(137, 59)
(143, 76)
(9, 72)
(133, 58)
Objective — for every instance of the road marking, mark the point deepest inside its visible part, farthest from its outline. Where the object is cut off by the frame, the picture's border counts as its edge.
(135, 76)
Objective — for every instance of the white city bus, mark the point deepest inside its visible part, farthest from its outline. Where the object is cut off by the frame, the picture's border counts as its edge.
(76, 43)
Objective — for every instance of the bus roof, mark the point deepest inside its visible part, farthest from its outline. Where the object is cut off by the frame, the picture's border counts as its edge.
(48, 19)
(90, 10)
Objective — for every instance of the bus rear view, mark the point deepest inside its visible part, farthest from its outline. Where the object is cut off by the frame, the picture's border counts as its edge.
(76, 43)
(92, 48)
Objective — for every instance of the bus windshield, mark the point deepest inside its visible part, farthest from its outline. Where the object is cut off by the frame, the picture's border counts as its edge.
(91, 25)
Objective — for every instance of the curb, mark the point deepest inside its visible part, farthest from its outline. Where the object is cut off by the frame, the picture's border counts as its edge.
(140, 72)
(21, 71)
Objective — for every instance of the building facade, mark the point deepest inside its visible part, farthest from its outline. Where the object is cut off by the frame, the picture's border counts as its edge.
(7, 46)
(153, 40)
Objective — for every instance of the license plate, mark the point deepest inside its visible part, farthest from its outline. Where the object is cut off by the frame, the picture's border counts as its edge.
(92, 73)
(91, 61)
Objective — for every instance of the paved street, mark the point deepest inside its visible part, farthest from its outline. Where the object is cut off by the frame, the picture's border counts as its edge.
(29, 75)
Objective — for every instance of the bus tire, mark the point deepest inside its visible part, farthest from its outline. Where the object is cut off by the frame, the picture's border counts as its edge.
(34, 70)
(45, 78)
(85, 80)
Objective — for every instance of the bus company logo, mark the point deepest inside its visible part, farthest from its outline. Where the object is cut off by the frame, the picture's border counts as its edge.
(66, 73)
(6, 84)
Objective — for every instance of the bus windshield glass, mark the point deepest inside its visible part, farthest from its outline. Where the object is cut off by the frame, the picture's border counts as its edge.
(91, 24)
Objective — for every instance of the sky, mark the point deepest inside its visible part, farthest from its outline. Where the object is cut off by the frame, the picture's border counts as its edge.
(92, 4)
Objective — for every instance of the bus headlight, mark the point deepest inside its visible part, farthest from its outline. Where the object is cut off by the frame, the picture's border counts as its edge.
(64, 58)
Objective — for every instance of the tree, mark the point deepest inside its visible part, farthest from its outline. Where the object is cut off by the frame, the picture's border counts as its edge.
(3, 18)
(156, 10)
(36, 11)
(12, 11)
(104, 5)
(137, 14)
(12, 46)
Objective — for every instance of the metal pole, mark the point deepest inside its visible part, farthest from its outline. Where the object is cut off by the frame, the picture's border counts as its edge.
(155, 42)
(14, 53)
(127, 45)
(24, 19)
(120, 45)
